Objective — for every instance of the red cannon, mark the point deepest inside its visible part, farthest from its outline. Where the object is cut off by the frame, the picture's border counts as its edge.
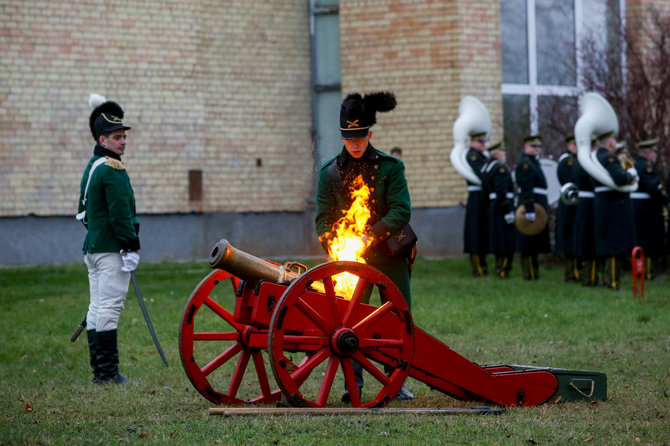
(292, 320)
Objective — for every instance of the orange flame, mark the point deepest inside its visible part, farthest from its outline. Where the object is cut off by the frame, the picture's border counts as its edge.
(349, 242)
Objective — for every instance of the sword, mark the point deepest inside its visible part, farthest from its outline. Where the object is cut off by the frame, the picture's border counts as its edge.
(146, 317)
(79, 329)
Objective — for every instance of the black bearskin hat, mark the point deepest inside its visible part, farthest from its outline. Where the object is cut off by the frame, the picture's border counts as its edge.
(358, 113)
(106, 117)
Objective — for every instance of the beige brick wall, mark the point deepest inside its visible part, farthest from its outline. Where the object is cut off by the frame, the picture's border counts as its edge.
(203, 86)
(430, 54)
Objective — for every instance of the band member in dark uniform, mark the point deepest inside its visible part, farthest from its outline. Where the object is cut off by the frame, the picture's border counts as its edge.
(584, 242)
(648, 203)
(475, 231)
(499, 188)
(532, 189)
(565, 216)
(613, 213)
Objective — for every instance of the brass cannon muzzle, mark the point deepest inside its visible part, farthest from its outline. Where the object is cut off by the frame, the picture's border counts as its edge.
(251, 269)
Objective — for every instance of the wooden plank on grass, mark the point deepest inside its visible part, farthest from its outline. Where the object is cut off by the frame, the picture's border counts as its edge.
(241, 411)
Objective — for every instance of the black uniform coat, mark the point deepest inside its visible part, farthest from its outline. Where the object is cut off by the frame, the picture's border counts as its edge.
(613, 211)
(499, 188)
(475, 231)
(566, 214)
(585, 232)
(530, 180)
(649, 223)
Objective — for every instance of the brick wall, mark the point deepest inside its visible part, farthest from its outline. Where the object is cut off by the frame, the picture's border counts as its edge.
(430, 54)
(222, 89)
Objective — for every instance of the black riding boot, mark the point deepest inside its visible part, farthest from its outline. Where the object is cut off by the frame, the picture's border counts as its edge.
(108, 358)
(93, 354)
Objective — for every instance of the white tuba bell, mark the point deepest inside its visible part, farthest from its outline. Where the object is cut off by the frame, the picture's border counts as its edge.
(596, 117)
(473, 117)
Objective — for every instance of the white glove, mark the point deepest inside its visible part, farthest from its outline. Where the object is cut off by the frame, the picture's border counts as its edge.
(633, 172)
(130, 261)
(509, 218)
(530, 216)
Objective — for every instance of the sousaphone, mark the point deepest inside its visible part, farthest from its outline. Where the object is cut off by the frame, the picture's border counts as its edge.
(473, 117)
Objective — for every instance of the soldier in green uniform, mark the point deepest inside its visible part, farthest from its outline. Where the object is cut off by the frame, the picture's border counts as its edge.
(389, 198)
(475, 229)
(499, 188)
(565, 216)
(532, 189)
(613, 213)
(648, 202)
(107, 209)
(585, 236)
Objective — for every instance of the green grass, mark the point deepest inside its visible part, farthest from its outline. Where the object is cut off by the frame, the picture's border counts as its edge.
(544, 323)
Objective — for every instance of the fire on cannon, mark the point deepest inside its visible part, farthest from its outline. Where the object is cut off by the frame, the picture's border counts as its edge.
(294, 321)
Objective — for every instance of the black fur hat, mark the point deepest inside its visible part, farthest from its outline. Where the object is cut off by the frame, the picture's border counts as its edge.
(358, 113)
(106, 117)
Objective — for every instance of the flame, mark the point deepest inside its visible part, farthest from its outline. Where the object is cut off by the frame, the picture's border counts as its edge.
(348, 242)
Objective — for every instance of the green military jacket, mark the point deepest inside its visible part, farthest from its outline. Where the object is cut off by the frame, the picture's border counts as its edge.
(390, 196)
(391, 202)
(110, 208)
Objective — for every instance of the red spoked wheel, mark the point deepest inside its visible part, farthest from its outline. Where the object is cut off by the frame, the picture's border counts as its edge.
(215, 349)
(334, 333)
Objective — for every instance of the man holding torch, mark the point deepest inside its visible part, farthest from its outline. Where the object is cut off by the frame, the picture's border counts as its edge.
(389, 201)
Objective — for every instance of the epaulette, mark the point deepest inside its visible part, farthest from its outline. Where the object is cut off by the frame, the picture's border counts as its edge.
(115, 164)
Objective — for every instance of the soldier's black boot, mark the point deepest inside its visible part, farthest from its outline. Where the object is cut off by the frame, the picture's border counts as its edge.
(571, 269)
(93, 354)
(590, 273)
(108, 359)
(503, 265)
(478, 263)
(612, 273)
(529, 267)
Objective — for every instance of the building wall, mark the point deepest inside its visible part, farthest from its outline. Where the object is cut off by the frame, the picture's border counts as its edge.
(430, 54)
(221, 89)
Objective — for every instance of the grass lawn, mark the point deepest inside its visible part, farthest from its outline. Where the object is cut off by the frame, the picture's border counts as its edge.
(46, 396)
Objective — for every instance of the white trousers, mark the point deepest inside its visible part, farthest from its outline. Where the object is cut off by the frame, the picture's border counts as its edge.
(108, 288)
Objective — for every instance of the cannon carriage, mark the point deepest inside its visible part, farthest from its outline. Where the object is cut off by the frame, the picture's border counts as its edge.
(292, 321)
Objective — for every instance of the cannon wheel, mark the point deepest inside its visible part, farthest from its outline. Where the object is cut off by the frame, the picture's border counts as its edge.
(333, 332)
(200, 306)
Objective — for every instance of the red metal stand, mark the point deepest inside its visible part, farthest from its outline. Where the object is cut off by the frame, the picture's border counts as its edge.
(637, 260)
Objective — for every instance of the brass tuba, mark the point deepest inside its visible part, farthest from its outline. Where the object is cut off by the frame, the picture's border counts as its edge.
(596, 117)
(473, 117)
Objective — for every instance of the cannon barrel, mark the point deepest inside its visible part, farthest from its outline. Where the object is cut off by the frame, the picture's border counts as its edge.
(250, 268)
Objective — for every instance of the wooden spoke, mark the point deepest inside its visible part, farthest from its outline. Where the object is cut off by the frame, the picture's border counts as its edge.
(314, 316)
(374, 317)
(223, 357)
(239, 372)
(327, 383)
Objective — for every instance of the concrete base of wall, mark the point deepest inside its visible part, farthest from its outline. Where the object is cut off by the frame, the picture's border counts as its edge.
(181, 237)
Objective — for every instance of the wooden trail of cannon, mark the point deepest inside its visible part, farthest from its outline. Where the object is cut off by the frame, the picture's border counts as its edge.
(291, 319)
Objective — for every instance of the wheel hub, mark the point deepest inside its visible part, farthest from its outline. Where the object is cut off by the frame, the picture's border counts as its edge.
(345, 341)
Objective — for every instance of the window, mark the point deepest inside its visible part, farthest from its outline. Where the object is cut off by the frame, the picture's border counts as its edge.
(326, 79)
(541, 63)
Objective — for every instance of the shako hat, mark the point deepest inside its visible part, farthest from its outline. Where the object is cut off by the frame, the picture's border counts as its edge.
(570, 139)
(106, 117)
(358, 113)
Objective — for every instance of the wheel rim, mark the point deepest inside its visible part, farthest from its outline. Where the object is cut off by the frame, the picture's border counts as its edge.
(216, 354)
(333, 333)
